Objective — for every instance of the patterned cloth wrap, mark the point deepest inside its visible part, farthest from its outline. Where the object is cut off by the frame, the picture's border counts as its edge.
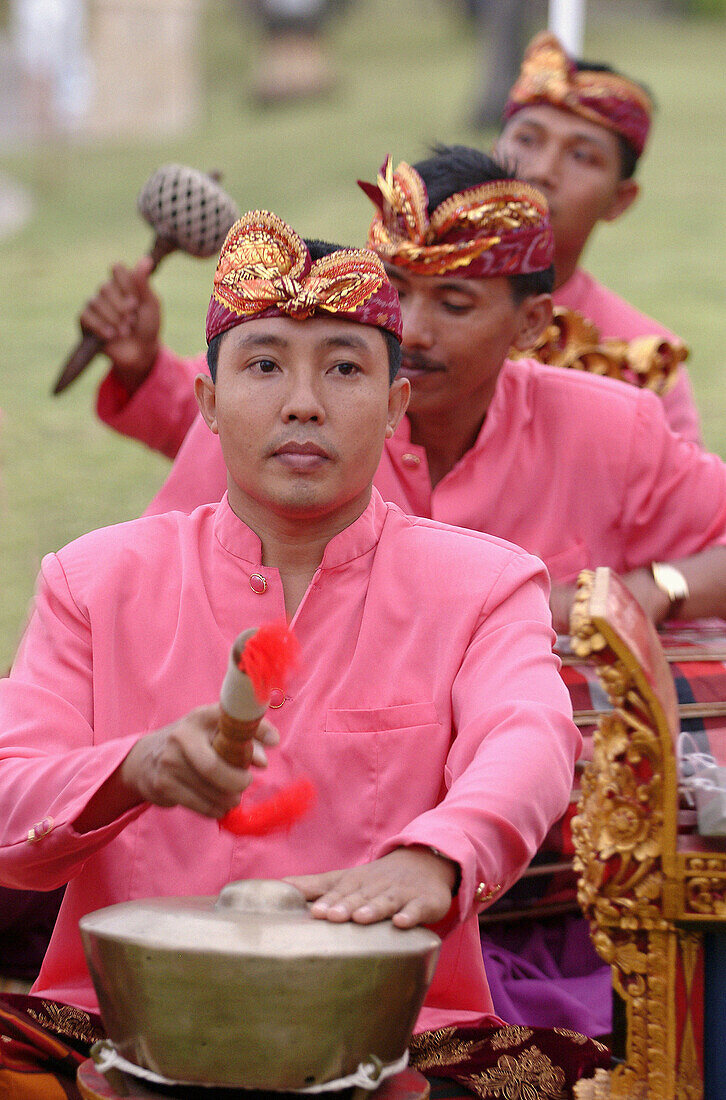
(497, 228)
(265, 270)
(549, 76)
(42, 1043)
(697, 658)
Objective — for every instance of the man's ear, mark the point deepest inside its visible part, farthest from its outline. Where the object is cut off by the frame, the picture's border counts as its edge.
(206, 395)
(626, 194)
(399, 393)
(534, 314)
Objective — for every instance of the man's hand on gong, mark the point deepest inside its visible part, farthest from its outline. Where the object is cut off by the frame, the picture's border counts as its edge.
(409, 885)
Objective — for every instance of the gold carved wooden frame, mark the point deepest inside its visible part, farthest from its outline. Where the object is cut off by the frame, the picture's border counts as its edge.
(648, 899)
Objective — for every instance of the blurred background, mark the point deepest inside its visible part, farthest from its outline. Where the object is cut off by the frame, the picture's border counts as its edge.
(96, 94)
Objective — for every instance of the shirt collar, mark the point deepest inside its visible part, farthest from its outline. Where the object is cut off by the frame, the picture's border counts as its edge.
(240, 541)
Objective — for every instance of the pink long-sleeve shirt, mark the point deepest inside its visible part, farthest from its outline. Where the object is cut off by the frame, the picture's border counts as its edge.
(615, 318)
(428, 709)
(580, 470)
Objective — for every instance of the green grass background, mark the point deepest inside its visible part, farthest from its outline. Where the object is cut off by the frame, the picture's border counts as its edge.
(408, 69)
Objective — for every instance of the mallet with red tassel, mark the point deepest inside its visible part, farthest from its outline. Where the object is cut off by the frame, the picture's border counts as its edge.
(259, 661)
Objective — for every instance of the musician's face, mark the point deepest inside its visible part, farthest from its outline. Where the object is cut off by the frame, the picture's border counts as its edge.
(302, 409)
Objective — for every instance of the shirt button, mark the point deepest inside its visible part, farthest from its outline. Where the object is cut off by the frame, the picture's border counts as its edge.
(277, 698)
(410, 459)
(258, 583)
(40, 829)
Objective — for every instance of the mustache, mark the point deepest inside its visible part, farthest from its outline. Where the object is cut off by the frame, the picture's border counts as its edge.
(416, 361)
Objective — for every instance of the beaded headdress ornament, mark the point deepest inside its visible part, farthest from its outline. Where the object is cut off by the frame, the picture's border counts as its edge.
(549, 76)
(265, 270)
(497, 228)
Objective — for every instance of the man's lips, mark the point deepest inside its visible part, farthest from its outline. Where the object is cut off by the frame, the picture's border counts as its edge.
(301, 456)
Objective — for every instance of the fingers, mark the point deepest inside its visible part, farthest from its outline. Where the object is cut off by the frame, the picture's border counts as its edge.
(111, 313)
(313, 886)
(267, 734)
(370, 902)
(177, 766)
(410, 886)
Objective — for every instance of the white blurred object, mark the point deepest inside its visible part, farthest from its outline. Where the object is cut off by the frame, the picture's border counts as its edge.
(567, 20)
(704, 781)
(49, 42)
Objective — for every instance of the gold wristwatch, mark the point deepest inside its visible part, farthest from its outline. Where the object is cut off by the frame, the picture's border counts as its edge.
(671, 581)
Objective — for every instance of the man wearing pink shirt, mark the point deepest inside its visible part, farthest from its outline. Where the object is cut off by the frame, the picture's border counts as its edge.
(580, 470)
(576, 131)
(427, 706)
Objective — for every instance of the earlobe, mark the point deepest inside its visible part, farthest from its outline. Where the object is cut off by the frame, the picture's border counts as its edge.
(206, 395)
(535, 313)
(398, 397)
(627, 193)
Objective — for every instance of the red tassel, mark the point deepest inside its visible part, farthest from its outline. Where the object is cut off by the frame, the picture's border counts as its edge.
(280, 811)
(267, 657)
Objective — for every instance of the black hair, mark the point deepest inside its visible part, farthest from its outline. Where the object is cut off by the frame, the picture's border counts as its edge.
(455, 168)
(317, 250)
(629, 155)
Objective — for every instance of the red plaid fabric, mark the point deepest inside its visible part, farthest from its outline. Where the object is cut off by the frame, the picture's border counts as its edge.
(696, 653)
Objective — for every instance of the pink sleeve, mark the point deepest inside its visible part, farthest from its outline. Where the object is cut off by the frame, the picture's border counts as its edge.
(49, 764)
(510, 769)
(674, 499)
(163, 408)
(680, 409)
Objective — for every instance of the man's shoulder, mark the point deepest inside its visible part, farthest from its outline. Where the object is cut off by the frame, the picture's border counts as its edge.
(121, 552)
(432, 547)
(613, 316)
(541, 381)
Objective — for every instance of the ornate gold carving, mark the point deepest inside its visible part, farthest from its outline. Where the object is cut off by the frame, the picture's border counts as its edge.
(585, 639)
(621, 838)
(573, 342)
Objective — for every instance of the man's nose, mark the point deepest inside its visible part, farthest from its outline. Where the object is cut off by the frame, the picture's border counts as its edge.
(303, 401)
(541, 168)
(416, 316)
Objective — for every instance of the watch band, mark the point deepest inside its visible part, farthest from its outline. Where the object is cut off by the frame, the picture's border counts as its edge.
(671, 581)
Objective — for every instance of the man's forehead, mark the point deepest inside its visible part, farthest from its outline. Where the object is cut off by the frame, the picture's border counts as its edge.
(285, 332)
(442, 284)
(564, 123)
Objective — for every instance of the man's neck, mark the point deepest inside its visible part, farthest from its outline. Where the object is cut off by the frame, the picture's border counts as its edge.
(294, 545)
(565, 268)
(446, 439)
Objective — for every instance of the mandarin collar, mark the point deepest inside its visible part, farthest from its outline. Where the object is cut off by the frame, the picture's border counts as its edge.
(240, 541)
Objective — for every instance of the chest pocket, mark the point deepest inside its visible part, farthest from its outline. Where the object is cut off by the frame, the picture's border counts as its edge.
(565, 565)
(391, 759)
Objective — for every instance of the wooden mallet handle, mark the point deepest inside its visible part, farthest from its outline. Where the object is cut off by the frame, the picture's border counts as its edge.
(90, 344)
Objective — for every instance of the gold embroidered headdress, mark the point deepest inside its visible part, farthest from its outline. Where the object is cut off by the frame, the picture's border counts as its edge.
(549, 76)
(265, 270)
(497, 228)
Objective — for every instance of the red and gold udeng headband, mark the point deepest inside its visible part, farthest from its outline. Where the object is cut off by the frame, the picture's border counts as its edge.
(265, 270)
(498, 228)
(549, 76)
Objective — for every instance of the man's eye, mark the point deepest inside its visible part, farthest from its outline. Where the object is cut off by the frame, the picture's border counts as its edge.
(455, 307)
(264, 366)
(347, 369)
(523, 138)
(584, 156)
